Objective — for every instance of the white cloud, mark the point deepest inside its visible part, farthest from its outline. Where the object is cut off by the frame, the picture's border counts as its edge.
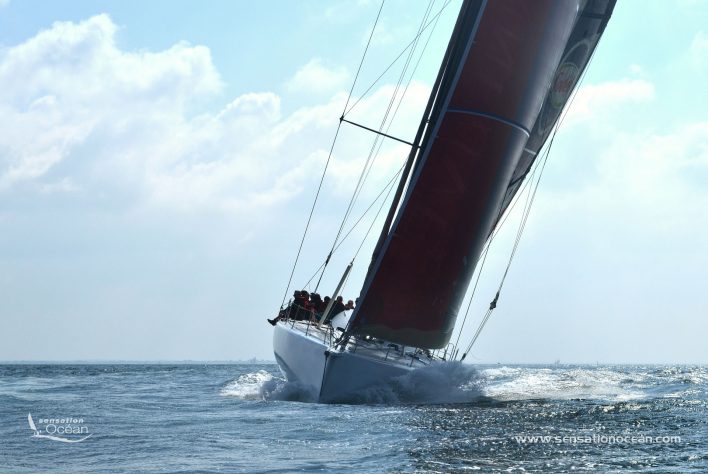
(65, 185)
(80, 62)
(640, 184)
(70, 82)
(78, 113)
(631, 161)
(315, 78)
(621, 186)
(4, 3)
(655, 174)
(597, 99)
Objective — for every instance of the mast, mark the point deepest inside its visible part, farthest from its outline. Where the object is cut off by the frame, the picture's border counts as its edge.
(325, 314)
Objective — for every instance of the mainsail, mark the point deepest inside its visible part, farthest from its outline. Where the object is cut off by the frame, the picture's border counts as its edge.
(508, 72)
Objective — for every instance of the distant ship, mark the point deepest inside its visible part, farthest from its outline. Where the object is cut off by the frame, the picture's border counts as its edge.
(506, 75)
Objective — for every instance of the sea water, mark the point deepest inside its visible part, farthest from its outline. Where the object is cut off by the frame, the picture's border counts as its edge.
(450, 418)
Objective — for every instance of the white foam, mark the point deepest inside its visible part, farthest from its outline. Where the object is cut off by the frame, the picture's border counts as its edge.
(566, 383)
(262, 385)
(498, 372)
(248, 386)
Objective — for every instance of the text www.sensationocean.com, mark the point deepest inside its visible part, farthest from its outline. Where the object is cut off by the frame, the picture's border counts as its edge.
(596, 439)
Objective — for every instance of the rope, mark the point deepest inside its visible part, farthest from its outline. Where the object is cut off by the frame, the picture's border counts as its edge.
(485, 252)
(329, 157)
(522, 225)
(376, 146)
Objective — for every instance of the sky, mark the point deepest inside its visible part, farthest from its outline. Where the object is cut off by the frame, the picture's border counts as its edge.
(158, 162)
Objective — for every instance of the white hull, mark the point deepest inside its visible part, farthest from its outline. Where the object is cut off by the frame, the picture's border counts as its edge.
(306, 355)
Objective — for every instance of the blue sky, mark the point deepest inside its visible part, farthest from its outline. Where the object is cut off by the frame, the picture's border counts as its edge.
(157, 163)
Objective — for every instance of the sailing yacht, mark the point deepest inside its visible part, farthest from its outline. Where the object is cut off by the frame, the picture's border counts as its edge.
(506, 75)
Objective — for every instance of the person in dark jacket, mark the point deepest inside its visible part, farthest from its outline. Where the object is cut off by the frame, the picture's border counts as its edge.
(337, 308)
(316, 303)
(288, 312)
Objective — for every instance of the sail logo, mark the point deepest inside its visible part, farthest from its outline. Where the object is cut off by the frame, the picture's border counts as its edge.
(64, 430)
(565, 80)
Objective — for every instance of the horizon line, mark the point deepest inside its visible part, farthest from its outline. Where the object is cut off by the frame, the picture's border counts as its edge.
(255, 360)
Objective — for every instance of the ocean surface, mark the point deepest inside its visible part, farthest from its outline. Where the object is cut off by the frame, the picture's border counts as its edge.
(452, 418)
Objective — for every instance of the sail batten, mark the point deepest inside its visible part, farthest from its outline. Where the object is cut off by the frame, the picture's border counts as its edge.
(504, 61)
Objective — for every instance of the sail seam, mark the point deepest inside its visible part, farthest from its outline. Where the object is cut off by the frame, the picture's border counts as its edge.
(493, 117)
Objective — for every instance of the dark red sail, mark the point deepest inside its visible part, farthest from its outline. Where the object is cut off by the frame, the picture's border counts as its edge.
(504, 59)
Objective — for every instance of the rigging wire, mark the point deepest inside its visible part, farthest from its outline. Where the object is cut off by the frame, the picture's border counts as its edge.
(378, 141)
(410, 79)
(522, 226)
(388, 186)
(506, 213)
(434, 20)
(373, 221)
(371, 226)
(329, 157)
(405, 90)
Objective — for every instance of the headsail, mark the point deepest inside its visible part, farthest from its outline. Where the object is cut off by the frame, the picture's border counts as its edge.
(505, 57)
